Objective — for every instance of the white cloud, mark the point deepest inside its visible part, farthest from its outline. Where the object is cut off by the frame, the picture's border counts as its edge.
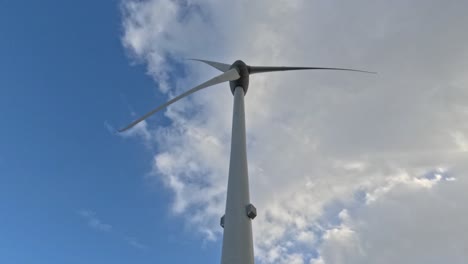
(405, 226)
(318, 142)
(97, 224)
(93, 221)
(135, 243)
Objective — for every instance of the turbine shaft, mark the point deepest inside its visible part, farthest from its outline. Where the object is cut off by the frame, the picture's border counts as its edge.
(229, 75)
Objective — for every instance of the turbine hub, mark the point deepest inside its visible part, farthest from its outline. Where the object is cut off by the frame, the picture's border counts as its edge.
(243, 71)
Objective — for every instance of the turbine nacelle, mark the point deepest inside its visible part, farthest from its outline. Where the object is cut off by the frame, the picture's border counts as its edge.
(244, 72)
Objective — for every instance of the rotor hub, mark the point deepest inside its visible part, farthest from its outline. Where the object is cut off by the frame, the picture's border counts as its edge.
(243, 81)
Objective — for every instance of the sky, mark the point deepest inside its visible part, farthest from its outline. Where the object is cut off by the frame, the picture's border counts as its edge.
(344, 167)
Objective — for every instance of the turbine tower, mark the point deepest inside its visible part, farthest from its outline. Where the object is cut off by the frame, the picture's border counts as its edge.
(237, 221)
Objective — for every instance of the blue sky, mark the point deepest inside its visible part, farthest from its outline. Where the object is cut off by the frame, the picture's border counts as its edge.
(63, 74)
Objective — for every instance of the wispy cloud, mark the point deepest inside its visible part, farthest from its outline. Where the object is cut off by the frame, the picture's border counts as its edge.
(135, 243)
(93, 221)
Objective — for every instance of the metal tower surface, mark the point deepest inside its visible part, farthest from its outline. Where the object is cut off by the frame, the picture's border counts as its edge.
(237, 238)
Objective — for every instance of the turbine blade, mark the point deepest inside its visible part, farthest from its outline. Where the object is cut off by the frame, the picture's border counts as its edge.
(261, 69)
(230, 75)
(218, 65)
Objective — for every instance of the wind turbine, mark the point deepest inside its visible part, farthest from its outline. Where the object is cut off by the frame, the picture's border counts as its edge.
(237, 238)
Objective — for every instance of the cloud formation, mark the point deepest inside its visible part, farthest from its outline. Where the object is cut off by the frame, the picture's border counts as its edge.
(97, 224)
(135, 243)
(411, 224)
(330, 153)
(93, 221)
